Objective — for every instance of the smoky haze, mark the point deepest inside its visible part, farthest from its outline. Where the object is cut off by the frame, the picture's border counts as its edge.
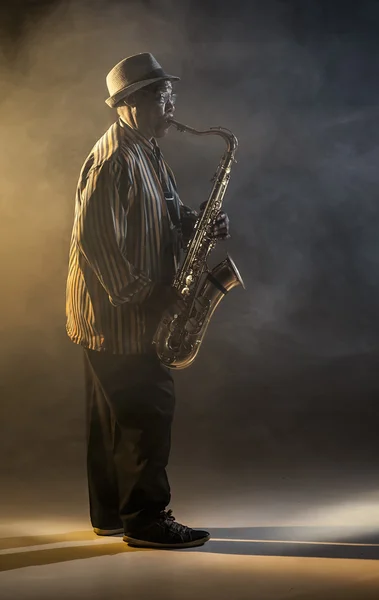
(301, 96)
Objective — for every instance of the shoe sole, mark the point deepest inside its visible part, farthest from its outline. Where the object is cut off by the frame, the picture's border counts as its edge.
(145, 544)
(108, 531)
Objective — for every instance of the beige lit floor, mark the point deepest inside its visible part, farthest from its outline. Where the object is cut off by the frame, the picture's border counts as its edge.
(67, 561)
(283, 531)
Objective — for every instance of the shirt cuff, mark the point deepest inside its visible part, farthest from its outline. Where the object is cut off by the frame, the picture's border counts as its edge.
(135, 292)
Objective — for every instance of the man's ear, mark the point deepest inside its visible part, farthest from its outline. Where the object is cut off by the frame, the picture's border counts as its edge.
(125, 102)
(130, 100)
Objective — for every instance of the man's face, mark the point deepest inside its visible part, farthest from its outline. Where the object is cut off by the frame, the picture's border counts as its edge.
(153, 107)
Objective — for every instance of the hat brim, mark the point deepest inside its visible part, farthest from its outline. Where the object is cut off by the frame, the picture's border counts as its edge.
(129, 89)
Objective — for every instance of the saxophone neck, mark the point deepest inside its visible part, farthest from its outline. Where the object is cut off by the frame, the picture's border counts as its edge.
(228, 136)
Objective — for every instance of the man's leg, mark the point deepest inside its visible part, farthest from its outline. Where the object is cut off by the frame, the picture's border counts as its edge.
(139, 391)
(102, 478)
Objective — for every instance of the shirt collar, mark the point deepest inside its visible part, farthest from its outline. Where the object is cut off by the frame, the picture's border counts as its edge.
(137, 136)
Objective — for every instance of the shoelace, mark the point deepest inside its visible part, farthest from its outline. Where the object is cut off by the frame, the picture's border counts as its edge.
(166, 515)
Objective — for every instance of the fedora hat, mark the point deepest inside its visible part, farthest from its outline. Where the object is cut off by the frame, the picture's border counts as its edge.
(132, 74)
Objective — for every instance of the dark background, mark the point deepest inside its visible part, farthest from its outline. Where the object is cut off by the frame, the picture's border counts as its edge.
(278, 417)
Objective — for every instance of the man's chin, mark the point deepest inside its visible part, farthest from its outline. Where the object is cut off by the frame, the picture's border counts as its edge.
(162, 131)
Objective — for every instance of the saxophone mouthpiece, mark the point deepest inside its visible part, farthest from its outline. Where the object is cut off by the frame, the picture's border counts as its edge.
(169, 121)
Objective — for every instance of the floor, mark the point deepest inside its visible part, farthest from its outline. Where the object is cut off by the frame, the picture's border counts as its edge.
(59, 557)
(288, 491)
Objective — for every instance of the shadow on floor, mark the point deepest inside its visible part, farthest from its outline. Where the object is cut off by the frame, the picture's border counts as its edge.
(333, 535)
(320, 542)
(54, 538)
(293, 549)
(48, 556)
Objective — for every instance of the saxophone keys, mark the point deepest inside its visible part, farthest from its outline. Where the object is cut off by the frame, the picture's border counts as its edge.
(201, 304)
(192, 326)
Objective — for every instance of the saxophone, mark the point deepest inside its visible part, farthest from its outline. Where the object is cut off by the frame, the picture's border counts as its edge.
(177, 339)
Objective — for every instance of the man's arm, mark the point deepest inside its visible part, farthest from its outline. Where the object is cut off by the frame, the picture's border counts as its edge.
(188, 218)
(101, 228)
(187, 215)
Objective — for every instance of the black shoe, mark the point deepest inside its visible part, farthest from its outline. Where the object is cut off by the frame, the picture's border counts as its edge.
(165, 532)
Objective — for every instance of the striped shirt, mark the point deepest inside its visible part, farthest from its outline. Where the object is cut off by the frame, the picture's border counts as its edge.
(123, 242)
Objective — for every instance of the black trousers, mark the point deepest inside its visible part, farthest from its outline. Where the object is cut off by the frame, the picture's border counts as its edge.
(130, 408)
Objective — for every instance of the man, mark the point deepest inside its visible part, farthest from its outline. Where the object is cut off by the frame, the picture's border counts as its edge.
(129, 230)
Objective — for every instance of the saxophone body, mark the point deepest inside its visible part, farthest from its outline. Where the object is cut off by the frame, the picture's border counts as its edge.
(177, 340)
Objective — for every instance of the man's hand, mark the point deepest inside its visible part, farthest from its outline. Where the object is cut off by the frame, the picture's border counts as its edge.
(220, 229)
